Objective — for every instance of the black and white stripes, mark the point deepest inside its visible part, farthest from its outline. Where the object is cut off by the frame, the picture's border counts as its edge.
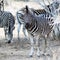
(33, 28)
(7, 21)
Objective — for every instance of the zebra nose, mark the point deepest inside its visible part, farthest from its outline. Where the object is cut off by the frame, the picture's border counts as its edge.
(27, 25)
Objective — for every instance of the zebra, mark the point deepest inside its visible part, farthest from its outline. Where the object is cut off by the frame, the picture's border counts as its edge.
(55, 34)
(37, 26)
(20, 23)
(7, 21)
(41, 12)
(32, 31)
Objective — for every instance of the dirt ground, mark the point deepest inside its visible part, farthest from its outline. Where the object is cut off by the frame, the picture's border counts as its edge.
(19, 49)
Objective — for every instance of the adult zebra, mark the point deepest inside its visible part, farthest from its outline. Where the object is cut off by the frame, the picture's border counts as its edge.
(41, 12)
(36, 23)
(40, 25)
(7, 22)
(37, 26)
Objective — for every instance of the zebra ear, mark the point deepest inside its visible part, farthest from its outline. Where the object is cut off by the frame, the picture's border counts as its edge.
(27, 10)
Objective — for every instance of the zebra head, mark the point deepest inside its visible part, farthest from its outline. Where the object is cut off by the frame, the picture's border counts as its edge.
(20, 14)
(27, 17)
(55, 4)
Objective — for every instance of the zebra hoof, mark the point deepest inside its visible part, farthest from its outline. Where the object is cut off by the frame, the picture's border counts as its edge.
(48, 54)
(30, 55)
(43, 54)
(9, 42)
(38, 55)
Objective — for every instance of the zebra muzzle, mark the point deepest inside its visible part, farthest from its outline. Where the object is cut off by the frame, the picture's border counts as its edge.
(27, 25)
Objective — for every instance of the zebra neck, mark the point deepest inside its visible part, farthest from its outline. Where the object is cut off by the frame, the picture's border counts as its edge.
(31, 27)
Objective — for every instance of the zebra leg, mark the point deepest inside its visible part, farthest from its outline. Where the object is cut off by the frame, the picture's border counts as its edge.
(25, 32)
(5, 30)
(10, 36)
(38, 46)
(45, 45)
(19, 27)
(32, 47)
(38, 50)
(47, 50)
